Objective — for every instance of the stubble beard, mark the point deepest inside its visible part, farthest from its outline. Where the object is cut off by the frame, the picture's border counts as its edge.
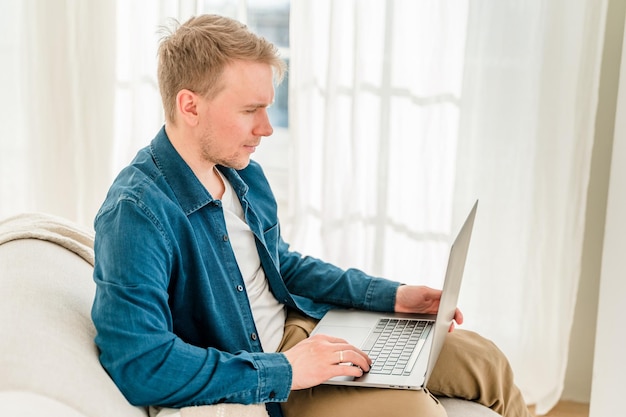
(208, 153)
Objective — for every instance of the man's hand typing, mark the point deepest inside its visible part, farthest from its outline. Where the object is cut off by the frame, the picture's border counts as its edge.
(321, 357)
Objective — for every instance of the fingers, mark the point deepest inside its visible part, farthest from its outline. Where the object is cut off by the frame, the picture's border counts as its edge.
(350, 362)
(320, 357)
(458, 316)
(353, 356)
(342, 353)
(458, 319)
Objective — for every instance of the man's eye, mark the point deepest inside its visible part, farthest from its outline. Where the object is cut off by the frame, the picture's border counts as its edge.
(251, 111)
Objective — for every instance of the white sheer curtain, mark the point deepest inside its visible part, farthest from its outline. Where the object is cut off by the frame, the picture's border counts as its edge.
(138, 109)
(404, 112)
(81, 78)
(375, 105)
(55, 158)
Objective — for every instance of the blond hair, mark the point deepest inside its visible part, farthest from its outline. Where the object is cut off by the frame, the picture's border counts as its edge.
(193, 56)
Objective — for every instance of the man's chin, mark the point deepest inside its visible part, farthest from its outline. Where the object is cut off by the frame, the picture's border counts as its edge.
(238, 165)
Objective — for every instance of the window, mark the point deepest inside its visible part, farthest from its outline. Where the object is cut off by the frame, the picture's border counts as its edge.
(270, 19)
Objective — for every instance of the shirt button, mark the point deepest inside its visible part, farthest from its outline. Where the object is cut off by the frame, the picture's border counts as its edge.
(253, 336)
(239, 288)
(225, 237)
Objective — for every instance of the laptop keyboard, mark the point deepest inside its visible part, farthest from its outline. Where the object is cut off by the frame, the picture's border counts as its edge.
(392, 345)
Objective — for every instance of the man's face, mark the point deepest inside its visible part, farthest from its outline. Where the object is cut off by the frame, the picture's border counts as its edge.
(233, 122)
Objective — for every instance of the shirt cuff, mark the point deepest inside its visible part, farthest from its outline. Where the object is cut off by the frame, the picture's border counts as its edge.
(275, 377)
(381, 295)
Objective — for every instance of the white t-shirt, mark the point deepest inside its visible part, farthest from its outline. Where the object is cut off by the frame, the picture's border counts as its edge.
(269, 315)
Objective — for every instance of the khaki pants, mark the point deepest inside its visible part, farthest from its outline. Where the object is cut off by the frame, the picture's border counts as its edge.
(469, 367)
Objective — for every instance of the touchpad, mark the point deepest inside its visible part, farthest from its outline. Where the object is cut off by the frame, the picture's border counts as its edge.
(354, 335)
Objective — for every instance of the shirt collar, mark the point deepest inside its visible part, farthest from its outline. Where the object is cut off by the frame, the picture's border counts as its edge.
(189, 191)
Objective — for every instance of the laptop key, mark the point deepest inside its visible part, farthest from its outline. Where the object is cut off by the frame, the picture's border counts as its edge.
(390, 345)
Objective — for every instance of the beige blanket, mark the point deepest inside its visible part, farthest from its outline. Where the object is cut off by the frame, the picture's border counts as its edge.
(51, 228)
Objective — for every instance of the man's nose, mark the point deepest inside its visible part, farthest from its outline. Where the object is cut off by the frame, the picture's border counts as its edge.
(264, 128)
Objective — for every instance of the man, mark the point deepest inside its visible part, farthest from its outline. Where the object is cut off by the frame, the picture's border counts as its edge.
(200, 301)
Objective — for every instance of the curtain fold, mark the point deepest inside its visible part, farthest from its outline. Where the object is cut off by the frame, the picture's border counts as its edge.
(374, 132)
(85, 99)
(527, 122)
(66, 107)
(403, 113)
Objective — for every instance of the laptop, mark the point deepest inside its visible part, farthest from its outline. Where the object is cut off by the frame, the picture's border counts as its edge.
(403, 347)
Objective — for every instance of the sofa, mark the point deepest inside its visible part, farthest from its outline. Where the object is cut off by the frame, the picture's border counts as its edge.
(48, 360)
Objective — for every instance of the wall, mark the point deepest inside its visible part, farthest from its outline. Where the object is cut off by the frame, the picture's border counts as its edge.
(580, 363)
(11, 147)
(609, 364)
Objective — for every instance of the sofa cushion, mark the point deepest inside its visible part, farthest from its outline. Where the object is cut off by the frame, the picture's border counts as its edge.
(27, 404)
(461, 408)
(47, 346)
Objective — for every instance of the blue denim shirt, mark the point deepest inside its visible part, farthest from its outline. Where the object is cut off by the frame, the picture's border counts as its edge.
(174, 325)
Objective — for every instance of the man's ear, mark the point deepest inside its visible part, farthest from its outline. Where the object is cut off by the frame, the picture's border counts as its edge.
(187, 106)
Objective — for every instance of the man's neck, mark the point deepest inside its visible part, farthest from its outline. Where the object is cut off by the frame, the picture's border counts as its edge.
(205, 171)
(215, 185)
